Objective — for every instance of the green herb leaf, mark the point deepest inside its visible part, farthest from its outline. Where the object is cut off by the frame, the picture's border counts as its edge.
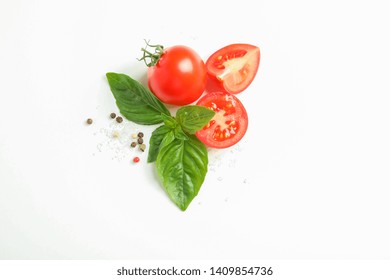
(181, 159)
(169, 121)
(161, 136)
(193, 118)
(179, 133)
(135, 102)
(182, 167)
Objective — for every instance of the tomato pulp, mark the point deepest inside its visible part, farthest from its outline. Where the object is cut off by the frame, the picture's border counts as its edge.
(229, 124)
(234, 66)
(179, 77)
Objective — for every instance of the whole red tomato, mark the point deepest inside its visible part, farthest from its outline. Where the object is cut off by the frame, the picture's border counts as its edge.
(177, 76)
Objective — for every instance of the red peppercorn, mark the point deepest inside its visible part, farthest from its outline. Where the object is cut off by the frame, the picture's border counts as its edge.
(136, 159)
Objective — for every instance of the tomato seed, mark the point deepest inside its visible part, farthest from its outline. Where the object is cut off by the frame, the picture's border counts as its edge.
(134, 136)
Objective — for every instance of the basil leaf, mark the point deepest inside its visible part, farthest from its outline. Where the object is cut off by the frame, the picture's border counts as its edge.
(161, 136)
(168, 138)
(179, 133)
(193, 118)
(182, 168)
(169, 121)
(135, 102)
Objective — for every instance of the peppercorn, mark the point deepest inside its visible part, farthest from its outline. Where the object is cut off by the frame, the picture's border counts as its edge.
(112, 115)
(89, 121)
(140, 140)
(136, 159)
(133, 144)
(142, 147)
(119, 119)
(140, 134)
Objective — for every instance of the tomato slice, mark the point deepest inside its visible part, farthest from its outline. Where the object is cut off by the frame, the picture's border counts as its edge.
(234, 66)
(229, 123)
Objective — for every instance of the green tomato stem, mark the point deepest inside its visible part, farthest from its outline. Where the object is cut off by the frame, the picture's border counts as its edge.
(150, 58)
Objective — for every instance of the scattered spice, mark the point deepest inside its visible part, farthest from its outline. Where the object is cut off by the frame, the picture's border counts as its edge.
(142, 147)
(89, 121)
(140, 140)
(112, 115)
(133, 144)
(119, 119)
(136, 159)
(140, 134)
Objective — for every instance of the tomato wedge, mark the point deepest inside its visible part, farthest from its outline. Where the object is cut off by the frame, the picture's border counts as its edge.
(229, 124)
(234, 66)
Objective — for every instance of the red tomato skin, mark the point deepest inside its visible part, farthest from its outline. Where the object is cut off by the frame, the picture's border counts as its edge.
(179, 77)
(239, 115)
(214, 83)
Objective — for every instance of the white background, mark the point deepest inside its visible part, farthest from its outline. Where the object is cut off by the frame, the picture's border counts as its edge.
(310, 180)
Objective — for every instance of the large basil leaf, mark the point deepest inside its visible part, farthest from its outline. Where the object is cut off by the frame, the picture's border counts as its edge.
(193, 118)
(161, 136)
(182, 167)
(135, 102)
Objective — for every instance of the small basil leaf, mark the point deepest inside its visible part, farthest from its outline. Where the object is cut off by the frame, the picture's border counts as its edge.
(193, 118)
(182, 168)
(169, 121)
(161, 136)
(135, 102)
(168, 138)
(179, 133)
